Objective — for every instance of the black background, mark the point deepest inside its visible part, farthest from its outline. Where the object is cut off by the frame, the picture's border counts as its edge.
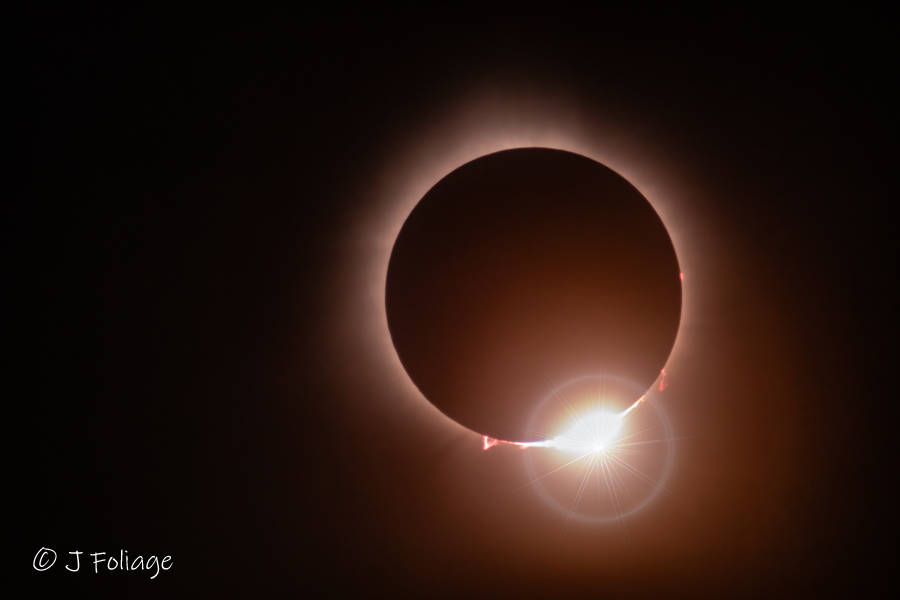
(187, 177)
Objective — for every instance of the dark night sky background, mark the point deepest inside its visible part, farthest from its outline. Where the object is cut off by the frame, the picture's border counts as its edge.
(188, 179)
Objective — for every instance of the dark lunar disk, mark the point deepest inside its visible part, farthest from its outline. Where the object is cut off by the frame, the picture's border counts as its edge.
(527, 268)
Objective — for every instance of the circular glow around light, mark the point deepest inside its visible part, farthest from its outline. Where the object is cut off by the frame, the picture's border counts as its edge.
(589, 447)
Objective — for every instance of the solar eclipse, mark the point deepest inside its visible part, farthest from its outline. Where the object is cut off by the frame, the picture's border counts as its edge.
(524, 267)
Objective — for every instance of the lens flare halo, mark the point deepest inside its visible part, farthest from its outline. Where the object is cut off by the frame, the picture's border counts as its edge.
(600, 445)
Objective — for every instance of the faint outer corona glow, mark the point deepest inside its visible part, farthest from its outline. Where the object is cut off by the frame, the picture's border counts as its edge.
(481, 124)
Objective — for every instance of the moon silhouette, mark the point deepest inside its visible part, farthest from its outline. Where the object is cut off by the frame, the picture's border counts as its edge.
(525, 268)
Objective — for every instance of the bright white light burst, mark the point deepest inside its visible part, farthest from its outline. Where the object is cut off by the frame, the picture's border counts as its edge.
(594, 433)
(607, 459)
